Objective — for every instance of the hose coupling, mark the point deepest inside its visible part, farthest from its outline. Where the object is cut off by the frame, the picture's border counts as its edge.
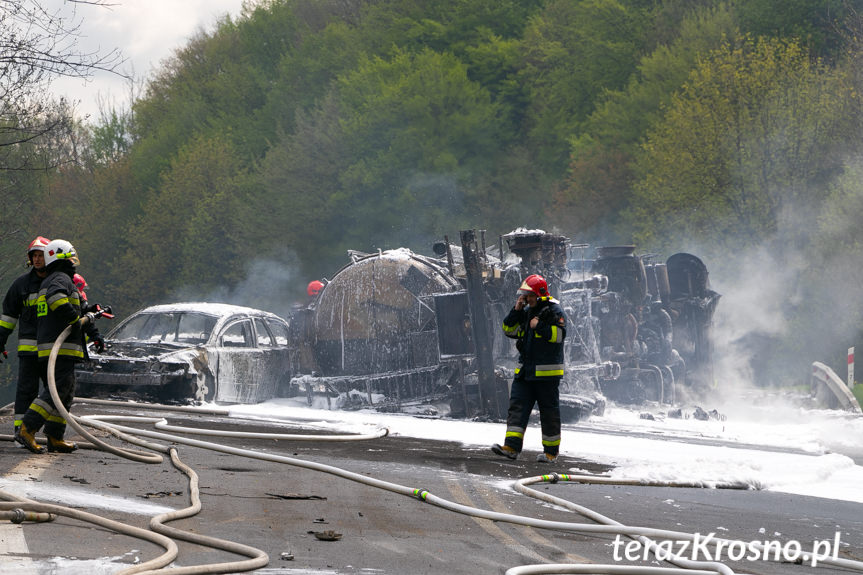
(19, 516)
(552, 477)
(420, 494)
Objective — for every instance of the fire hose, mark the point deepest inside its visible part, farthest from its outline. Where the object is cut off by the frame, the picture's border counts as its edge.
(259, 559)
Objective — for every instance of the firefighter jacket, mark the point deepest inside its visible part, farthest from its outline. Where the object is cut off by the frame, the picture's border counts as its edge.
(19, 308)
(58, 307)
(541, 349)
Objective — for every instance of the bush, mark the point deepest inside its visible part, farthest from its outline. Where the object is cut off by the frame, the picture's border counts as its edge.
(858, 393)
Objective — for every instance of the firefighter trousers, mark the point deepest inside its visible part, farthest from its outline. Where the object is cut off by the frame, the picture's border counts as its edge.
(42, 410)
(522, 397)
(28, 385)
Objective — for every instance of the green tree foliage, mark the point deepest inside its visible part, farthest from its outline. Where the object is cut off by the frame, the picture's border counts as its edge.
(573, 52)
(597, 187)
(745, 144)
(814, 22)
(192, 229)
(392, 154)
(215, 86)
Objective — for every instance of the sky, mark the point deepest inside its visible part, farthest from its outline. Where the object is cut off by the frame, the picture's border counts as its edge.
(145, 32)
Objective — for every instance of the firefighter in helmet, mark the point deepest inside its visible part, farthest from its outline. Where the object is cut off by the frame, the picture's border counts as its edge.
(81, 285)
(57, 307)
(91, 332)
(19, 309)
(538, 325)
(314, 288)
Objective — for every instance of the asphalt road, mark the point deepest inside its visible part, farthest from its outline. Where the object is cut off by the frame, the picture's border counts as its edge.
(278, 506)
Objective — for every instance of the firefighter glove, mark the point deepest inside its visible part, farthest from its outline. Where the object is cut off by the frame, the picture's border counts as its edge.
(98, 343)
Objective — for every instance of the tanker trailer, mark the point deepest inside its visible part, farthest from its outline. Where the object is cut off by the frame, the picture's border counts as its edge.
(396, 331)
(372, 332)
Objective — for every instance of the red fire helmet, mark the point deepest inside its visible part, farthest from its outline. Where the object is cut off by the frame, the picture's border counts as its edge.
(314, 288)
(534, 284)
(81, 284)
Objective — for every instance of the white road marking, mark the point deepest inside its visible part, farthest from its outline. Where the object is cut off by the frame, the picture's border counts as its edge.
(14, 553)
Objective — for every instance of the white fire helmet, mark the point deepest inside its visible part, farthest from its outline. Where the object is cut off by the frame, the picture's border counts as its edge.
(60, 250)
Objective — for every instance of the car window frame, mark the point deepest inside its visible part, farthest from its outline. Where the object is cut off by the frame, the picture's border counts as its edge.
(230, 324)
(261, 322)
(283, 326)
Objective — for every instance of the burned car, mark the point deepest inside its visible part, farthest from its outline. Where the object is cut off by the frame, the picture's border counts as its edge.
(192, 351)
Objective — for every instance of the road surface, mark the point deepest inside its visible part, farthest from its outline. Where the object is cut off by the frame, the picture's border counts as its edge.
(278, 506)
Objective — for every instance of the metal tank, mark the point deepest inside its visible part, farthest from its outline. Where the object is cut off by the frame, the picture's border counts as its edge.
(376, 315)
(371, 335)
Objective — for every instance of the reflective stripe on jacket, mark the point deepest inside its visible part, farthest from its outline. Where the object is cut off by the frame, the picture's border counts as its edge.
(540, 349)
(58, 307)
(19, 310)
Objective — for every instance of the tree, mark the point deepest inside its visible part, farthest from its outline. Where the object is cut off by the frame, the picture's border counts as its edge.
(37, 45)
(573, 53)
(390, 158)
(744, 148)
(812, 21)
(598, 184)
(175, 240)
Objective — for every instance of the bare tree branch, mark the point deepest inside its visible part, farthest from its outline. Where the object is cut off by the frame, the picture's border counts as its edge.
(38, 132)
(36, 47)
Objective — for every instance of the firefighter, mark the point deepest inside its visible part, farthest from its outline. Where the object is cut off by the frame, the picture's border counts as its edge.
(90, 330)
(314, 288)
(19, 308)
(538, 325)
(81, 285)
(57, 307)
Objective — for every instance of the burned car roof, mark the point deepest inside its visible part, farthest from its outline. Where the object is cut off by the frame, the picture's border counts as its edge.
(214, 309)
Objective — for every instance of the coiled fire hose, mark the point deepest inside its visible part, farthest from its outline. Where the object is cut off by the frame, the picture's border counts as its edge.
(259, 558)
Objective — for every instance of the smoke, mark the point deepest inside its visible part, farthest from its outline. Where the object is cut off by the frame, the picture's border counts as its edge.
(437, 197)
(795, 299)
(757, 289)
(269, 285)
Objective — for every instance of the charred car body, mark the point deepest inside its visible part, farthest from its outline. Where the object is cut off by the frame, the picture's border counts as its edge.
(192, 351)
(397, 330)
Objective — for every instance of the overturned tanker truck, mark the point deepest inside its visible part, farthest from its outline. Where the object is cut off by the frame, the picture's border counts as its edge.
(399, 331)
